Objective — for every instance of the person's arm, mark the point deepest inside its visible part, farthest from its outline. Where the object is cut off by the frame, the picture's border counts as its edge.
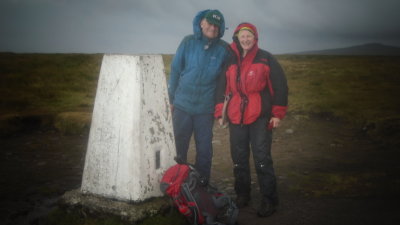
(280, 89)
(177, 66)
(220, 92)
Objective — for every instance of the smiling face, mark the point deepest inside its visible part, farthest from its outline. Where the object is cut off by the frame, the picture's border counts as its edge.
(246, 40)
(209, 30)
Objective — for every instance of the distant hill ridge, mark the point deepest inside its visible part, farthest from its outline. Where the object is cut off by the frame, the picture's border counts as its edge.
(365, 49)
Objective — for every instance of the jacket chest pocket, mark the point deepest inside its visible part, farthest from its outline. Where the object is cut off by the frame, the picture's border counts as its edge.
(256, 79)
(213, 62)
(213, 68)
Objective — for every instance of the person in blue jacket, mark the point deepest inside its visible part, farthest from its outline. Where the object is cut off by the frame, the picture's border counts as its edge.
(195, 70)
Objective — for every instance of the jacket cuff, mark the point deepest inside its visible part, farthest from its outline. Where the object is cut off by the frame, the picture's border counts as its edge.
(218, 110)
(279, 111)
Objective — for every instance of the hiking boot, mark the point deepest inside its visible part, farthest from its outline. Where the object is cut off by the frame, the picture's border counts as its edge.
(266, 209)
(242, 201)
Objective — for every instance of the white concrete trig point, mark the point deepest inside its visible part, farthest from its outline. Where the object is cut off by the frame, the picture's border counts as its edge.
(131, 141)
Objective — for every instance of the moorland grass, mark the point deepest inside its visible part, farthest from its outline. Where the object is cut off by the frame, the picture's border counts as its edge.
(357, 89)
(47, 83)
(360, 90)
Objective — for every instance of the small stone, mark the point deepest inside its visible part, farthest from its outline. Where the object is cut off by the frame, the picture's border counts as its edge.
(41, 163)
(289, 131)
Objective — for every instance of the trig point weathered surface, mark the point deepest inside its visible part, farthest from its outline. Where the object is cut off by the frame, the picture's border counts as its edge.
(131, 140)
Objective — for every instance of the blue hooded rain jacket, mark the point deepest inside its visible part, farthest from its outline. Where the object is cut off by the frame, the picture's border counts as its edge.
(195, 70)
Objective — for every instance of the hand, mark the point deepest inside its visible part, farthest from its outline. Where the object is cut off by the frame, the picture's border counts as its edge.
(274, 122)
(220, 122)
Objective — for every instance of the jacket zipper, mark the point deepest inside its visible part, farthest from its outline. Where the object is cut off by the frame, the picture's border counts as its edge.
(243, 98)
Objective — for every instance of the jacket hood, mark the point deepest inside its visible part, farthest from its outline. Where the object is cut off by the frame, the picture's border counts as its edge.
(235, 45)
(247, 26)
(196, 24)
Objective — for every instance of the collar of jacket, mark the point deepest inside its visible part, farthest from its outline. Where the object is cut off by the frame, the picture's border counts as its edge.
(249, 56)
(208, 42)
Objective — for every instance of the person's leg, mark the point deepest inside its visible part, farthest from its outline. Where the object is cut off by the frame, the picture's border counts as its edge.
(261, 140)
(203, 134)
(183, 129)
(240, 153)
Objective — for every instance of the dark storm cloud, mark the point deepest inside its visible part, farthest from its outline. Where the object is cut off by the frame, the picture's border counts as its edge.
(157, 26)
(354, 18)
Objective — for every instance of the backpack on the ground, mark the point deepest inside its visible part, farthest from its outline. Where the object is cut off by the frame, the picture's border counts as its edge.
(200, 203)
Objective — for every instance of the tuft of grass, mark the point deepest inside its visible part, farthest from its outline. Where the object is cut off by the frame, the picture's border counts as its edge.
(167, 64)
(173, 217)
(73, 123)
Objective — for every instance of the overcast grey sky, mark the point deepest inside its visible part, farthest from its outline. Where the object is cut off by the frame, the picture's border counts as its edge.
(157, 26)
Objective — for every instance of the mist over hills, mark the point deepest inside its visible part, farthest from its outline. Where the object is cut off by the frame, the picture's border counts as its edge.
(365, 49)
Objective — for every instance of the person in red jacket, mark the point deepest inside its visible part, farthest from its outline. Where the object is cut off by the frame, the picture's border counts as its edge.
(256, 87)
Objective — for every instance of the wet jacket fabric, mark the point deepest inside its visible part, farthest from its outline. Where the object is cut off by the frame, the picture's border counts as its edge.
(256, 84)
(195, 69)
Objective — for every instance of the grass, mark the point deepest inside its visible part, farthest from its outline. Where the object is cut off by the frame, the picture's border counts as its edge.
(48, 82)
(167, 62)
(361, 90)
(354, 88)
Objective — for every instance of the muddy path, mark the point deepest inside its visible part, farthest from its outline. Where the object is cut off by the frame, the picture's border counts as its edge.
(328, 173)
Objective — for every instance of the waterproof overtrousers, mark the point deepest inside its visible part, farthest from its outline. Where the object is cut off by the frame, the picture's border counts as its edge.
(258, 138)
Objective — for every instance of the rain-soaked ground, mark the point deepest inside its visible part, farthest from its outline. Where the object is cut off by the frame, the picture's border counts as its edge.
(328, 173)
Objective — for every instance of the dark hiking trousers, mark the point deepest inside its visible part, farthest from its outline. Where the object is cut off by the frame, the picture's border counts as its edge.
(201, 125)
(258, 138)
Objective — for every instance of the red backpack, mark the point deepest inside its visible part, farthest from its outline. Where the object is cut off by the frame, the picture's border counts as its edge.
(199, 203)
